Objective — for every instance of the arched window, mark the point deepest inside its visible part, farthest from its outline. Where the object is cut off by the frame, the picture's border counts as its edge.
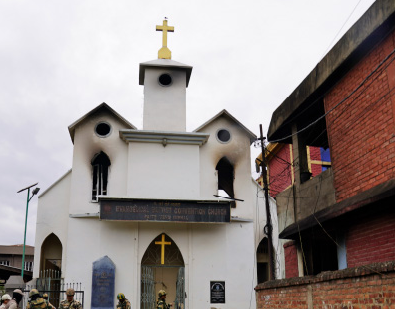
(262, 260)
(226, 177)
(100, 164)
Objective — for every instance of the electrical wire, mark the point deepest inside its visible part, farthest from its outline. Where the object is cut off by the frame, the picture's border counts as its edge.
(365, 266)
(330, 44)
(340, 102)
(391, 91)
(320, 97)
(277, 157)
(362, 112)
(329, 125)
(319, 195)
(301, 247)
(348, 105)
(330, 237)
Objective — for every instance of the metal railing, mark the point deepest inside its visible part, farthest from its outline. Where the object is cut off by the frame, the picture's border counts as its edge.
(56, 293)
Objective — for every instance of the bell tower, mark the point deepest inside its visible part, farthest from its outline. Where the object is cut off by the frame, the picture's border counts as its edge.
(165, 82)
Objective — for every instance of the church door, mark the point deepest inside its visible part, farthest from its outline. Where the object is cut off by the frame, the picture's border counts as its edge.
(162, 268)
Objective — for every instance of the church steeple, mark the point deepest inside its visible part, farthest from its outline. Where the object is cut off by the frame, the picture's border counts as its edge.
(164, 52)
(165, 82)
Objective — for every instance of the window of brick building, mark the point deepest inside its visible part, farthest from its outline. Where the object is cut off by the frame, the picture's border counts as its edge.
(320, 252)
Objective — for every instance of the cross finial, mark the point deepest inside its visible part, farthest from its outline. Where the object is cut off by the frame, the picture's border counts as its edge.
(164, 52)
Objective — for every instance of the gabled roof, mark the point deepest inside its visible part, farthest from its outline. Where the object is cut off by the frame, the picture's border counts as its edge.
(100, 107)
(225, 113)
(164, 63)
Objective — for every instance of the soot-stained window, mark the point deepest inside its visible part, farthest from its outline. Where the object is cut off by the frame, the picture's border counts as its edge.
(100, 164)
(226, 177)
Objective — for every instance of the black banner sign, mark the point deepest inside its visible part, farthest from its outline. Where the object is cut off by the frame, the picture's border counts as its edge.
(217, 292)
(165, 210)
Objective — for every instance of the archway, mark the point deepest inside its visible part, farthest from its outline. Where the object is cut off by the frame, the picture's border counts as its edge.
(51, 254)
(51, 268)
(162, 268)
(262, 261)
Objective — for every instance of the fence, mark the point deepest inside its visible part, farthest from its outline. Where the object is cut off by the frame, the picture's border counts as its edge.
(56, 292)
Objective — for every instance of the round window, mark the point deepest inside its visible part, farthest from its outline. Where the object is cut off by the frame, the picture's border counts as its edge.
(165, 79)
(103, 129)
(223, 136)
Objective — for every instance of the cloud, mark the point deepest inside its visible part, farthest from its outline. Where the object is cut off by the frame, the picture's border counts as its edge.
(59, 60)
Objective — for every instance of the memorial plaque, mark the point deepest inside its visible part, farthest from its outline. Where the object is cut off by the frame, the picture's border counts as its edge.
(217, 292)
(164, 210)
(103, 277)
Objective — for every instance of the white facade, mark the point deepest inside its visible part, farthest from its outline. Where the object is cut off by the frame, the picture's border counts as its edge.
(160, 162)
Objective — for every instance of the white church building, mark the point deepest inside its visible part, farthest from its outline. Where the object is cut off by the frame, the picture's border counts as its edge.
(146, 202)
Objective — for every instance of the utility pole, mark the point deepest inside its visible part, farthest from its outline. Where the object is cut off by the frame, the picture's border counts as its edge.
(268, 229)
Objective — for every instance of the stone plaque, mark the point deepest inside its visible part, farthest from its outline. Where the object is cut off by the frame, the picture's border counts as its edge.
(103, 277)
(217, 292)
(164, 210)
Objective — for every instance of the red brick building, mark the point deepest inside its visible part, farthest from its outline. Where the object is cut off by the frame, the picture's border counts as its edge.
(341, 224)
(280, 162)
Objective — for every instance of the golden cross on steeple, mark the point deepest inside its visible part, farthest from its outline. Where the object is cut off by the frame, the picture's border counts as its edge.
(163, 243)
(164, 52)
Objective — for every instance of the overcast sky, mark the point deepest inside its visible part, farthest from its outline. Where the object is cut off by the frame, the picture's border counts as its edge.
(60, 59)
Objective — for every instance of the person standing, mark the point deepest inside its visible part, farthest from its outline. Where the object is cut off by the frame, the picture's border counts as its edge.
(17, 296)
(36, 301)
(161, 304)
(45, 296)
(123, 302)
(5, 300)
(70, 302)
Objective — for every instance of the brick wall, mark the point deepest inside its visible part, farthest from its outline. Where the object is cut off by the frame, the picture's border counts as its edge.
(357, 288)
(280, 176)
(371, 240)
(315, 154)
(291, 259)
(316, 169)
(361, 130)
(280, 171)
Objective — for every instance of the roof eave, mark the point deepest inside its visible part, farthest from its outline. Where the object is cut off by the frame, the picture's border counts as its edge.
(102, 105)
(226, 113)
(376, 194)
(164, 63)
